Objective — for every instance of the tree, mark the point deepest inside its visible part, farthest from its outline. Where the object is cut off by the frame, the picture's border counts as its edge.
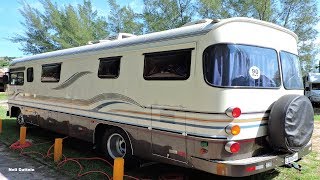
(300, 16)
(124, 19)
(59, 28)
(161, 15)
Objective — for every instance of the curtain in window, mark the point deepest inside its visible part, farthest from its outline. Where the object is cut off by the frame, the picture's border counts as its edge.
(230, 65)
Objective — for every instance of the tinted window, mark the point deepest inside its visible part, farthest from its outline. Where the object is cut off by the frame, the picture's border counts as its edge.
(291, 73)
(29, 74)
(109, 67)
(51, 73)
(16, 78)
(167, 65)
(230, 65)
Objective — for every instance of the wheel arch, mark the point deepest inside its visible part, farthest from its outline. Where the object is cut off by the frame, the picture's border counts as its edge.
(100, 130)
(14, 111)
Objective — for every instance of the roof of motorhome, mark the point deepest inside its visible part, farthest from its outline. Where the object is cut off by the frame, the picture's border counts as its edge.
(190, 29)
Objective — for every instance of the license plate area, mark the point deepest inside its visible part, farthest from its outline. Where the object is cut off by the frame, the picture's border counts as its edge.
(291, 158)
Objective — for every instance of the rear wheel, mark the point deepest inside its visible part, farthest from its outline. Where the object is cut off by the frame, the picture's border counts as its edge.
(115, 143)
(20, 119)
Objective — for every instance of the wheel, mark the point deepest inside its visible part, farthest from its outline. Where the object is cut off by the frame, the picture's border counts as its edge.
(20, 120)
(290, 123)
(115, 143)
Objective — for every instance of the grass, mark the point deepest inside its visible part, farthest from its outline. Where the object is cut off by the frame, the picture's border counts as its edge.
(317, 117)
(310, 169)
(3, 96)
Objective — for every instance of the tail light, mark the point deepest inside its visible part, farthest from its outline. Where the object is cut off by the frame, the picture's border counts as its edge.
(233, 112)
(232, 147)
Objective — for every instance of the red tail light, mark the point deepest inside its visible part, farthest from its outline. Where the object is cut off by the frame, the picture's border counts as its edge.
(232, 147)
(233, 112)
(251, 168)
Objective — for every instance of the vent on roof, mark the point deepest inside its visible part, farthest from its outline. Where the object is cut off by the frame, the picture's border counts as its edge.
(201, 21)
(117, 37)
(125, 35)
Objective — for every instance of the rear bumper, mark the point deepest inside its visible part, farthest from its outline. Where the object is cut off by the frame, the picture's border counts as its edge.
(246, 167)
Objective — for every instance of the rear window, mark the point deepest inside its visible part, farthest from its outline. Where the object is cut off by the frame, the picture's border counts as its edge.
(291, 71)
(231, 65)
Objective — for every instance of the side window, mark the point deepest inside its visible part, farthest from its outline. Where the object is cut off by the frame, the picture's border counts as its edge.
(30, 74)
(50, 73)
(167, 65)
(17, 78)
(109, 67)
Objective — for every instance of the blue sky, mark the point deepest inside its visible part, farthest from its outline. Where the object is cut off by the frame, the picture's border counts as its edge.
(10, 19)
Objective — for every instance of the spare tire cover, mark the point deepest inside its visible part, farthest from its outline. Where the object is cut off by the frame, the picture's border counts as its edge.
(290, 123)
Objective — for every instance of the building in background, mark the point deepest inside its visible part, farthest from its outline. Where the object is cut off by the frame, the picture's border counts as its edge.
(3, 71)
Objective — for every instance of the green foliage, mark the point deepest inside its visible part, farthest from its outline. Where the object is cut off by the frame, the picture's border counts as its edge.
(59, 27)
(161, 15)
(123, 19)
(6, 58)
(4, 61)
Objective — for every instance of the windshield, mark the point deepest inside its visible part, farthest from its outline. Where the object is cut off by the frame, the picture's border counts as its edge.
(230, 65)
(315, 86)
(292, 78)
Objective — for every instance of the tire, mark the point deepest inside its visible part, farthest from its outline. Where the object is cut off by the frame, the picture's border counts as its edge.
(115, 143)
(290, 123)
(20, 119)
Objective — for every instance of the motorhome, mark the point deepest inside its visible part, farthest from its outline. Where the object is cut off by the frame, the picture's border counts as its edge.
(222, 96)
(312, 87)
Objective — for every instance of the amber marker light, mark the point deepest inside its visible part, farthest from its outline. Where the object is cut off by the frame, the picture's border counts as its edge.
(233, 129)
(233, 112)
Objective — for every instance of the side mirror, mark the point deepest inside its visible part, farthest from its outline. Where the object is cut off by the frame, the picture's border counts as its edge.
(5, 79)
(307, 88)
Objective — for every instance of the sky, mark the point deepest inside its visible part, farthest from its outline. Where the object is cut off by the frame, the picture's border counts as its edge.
(10, 20)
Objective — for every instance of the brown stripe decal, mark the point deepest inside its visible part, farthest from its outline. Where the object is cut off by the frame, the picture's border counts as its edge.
(195, 119)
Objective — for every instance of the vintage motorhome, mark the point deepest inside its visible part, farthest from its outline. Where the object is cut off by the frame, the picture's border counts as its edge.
(222, 96)
(312, 87)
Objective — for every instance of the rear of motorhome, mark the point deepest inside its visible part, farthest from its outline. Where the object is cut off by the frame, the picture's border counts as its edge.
(312, 87)
(221, 96)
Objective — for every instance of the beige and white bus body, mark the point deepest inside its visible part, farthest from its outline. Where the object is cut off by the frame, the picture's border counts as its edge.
(222, 96)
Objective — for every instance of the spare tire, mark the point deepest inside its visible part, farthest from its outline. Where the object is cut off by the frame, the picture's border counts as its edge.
(290, 123)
